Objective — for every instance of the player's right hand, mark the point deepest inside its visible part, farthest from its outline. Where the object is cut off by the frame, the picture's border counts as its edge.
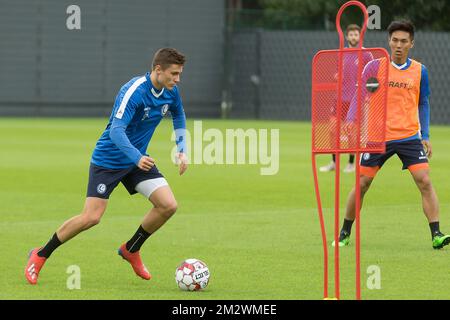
(348, 127)
(146, 163)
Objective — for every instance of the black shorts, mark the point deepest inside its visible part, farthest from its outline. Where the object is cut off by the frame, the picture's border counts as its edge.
(102, 181)
(410, 153)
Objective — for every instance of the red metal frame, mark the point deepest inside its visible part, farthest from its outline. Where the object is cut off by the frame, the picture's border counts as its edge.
(338, 151)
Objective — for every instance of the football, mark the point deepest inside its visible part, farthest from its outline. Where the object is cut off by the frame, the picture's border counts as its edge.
(192, 275)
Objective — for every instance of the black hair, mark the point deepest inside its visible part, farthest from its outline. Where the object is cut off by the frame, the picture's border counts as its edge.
(402, 25)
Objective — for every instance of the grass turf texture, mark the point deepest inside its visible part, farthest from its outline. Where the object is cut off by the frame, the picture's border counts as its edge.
(259, 235)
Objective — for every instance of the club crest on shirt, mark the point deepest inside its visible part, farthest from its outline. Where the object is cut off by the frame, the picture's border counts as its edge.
(146, 113)
(164, 109)
(366, 156)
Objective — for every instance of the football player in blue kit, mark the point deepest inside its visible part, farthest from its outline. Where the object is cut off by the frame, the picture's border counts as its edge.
(120, 156)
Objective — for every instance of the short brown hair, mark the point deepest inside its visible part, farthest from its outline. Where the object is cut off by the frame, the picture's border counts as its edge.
(352, 27)
(401, 25)
(166, 57)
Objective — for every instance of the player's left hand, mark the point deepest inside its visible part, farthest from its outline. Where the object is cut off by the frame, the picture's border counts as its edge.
(182, 162)
(428, 149)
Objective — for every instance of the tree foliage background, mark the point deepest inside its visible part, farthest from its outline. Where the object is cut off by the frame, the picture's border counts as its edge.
(321, 14)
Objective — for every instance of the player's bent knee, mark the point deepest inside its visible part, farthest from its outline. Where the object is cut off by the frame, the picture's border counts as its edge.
(169, 208)
(91, 219)
(424, 182)
(421, 176)
(94, 207)
(365, 183)
(90, 222)
(364, 188)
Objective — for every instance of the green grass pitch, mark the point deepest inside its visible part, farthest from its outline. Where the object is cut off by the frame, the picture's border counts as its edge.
(259, 235)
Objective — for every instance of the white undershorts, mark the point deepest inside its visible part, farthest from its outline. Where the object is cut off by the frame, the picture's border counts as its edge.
(147, 187)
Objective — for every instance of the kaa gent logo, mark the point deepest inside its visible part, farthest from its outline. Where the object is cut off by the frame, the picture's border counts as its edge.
(164, 109)
(101, 188)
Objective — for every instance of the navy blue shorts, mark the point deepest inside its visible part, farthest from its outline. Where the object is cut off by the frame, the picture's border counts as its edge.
(102, 181)
(410, 152)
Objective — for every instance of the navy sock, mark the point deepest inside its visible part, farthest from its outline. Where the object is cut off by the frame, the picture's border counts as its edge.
(135, 243)
(434, 228)
(51, 246)
(347, 226)
(351, 159)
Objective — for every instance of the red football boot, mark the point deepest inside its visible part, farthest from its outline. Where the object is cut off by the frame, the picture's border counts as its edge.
(34, 265)
(135, 260)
